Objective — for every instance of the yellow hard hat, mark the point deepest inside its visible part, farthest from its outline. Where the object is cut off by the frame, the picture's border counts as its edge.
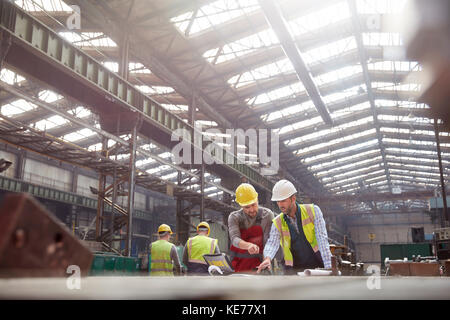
(246, 194)
(204, 224)
(164, 228)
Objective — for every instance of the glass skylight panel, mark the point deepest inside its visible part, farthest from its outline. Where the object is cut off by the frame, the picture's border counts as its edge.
(380, 6)
(338, 74)
(330, 143)
(363, 176)
(157, 169)
(351, 109)
(88, 39)
(400, 104)
(78, 135)
(345, 166)
(17, 107)
(49, 96)
(423, 179)
(297, 109)
(300, 124)
(394, 66)
(344, 160)
(396, 87)
(151, 90)
(408, 151)
(319, 19)
(408, 131)
(136, 67)
(338, 130)
(348, 173)
(413, 172)
(411, 142)
(10, 77)
(43, 5)
(144, 162)
(213, 14)
(344, 94)
(264, 72)
(332, 49)
(342, 150)
(279, 93)
(169, 176)
(175, 107)
(80, 112)
(50, 122)
(112, 66)
(266, 38)
(382, 39)
(405, 119)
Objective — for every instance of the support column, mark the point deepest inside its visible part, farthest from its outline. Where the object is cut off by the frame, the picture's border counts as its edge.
(131, 186)
(20, 165)
(202, 191)
(5, 44)
(74, 182)
(124, 69)
(101, 192)
(444, 219)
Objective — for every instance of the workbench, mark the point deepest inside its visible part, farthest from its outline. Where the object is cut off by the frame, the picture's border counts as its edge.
(234, 287)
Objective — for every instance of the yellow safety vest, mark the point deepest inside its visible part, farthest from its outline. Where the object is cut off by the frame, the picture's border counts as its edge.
(198, 246)
(161, 263)
(307, 214)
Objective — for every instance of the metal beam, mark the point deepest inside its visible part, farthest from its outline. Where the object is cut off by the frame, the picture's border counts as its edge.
(384, 196)
(363, 59)
(275, 19)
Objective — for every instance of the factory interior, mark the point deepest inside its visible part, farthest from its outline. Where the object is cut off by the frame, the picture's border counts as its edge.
(125, 122)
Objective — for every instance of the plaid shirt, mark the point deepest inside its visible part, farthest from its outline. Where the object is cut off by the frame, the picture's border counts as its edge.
(273, 244)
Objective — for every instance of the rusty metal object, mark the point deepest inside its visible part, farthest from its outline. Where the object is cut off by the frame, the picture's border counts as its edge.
(33, 243)
(424, 269)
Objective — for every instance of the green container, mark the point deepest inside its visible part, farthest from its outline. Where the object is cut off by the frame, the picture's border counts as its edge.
(132, 265)
(110, 262)
(98, 265)
(401, 251)
(119, 266)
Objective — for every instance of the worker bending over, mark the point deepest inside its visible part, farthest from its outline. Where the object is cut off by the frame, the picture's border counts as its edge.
(249, 229)
(164, 254)
(196, 247)
(301, 232)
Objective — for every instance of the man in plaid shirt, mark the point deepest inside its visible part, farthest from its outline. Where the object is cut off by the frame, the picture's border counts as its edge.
(300, 230)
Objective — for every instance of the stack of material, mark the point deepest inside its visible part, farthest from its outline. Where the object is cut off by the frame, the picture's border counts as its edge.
(428, 268)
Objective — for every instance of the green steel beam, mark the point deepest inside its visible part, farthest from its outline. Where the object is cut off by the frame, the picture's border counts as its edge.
(41, 53)
(14, 185)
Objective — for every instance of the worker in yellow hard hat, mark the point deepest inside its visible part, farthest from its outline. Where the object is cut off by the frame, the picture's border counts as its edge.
(249, 229)
(164, 254)
(301, 232)
(196, 247)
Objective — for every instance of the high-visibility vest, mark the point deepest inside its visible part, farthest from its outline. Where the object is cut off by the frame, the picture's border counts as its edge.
(307, 215)
(161, 263)
(198, 246)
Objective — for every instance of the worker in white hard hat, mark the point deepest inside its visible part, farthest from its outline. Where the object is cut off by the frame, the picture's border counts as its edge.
(196, 247)
(301, 232)
(163, 254)
(249, 229)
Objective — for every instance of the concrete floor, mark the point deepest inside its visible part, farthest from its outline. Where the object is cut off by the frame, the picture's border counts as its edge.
(235, 287)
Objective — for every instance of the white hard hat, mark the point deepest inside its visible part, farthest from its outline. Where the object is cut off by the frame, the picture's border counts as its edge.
(283, 189)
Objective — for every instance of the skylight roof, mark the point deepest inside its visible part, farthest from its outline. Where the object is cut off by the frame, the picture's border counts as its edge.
(213, 14)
